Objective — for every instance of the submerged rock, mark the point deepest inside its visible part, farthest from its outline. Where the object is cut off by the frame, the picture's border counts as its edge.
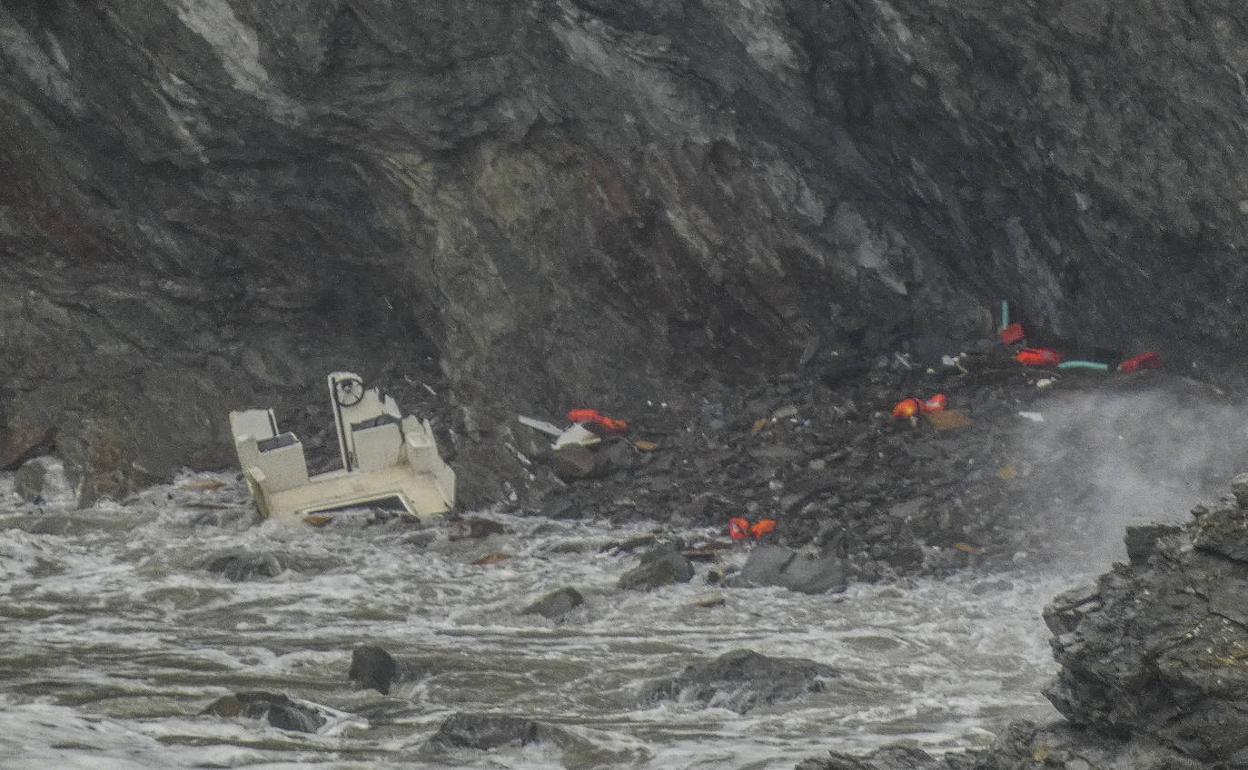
(555, 604)
(743, 680)
(775, 565)
(373, 668)
(660, 566)
(279, 710)
(28, 481)
(42, 480)
(488, 731)
(244, 565)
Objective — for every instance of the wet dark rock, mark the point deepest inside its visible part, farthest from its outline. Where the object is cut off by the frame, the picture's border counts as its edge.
(1024, 746)
(776, 565)
(478, 527)
(1239, 488)
(743, 680)
(28, 481)
(1158, 651)
(890, 758)
(489, 731)
(1223, 529)
(1141, 541)
(555, 604)
(373, 668)
(279, 710)
(659, 567)
(241, 565)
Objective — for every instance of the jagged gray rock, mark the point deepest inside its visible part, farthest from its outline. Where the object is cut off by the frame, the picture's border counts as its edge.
(659, 566)
(743, 680)
(239, 565)
(214, 203)
(776, 565)
(555, 604)
(373, 668)
(278, 710)
(488, 731)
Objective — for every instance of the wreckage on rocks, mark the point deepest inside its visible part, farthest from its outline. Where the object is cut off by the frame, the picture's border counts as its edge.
(385, 457)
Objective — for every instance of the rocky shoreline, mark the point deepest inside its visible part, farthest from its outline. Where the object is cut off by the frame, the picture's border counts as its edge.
(1152, 662)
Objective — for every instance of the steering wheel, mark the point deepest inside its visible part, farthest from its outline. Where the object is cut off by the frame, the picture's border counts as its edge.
(348, 391)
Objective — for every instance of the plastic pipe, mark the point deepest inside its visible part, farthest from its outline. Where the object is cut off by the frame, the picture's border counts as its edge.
(1005, 314)
(1091, 365)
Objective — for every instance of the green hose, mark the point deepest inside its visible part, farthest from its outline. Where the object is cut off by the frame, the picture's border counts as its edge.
(1092, 365)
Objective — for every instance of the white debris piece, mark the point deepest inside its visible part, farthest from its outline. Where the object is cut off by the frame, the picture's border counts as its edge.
(1033, 416)
(577, 435)
(545, 427)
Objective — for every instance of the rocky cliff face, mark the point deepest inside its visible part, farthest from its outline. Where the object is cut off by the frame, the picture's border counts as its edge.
(209, 204)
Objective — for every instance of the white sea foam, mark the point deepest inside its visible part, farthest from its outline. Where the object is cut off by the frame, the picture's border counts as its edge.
(115, 638)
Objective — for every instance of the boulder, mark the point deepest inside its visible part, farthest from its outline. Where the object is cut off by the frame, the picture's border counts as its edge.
(1158, 652)
(555, 604)
(279, 710)
(1239, 487)
(487, 731)
(373, 668)
(42, 480)
(1223, 530)
(776, 565)
(239, 565)
(1141, 541)
(743, 680)
(659, 566)
(28, 481)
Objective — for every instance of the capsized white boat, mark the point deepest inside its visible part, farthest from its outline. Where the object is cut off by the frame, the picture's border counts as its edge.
(385, 457)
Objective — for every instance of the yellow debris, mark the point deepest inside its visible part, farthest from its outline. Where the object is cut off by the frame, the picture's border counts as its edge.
(203, 485)
(759, 425)
(493, 558)
(645, 446)
(318, 519)
(967, 548)
(1007, 473)
(950, 419)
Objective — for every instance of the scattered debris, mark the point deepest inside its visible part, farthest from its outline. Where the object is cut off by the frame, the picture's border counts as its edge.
(602, 422)
(1007, 473)
(541, 425)
(951, 419)
(645, 446)
(784, 413)
(385, 456)
(1089, 365)
(912, 407)
(574, 462)
(759, 425)
(711, 603)
(1149, 360)
(577, 435)
(968, 548)
(741, 529)
(491, 558)
(1046, 382)
(1012, 334)
(317, 519)
(1033, 416)
(1038, 357)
